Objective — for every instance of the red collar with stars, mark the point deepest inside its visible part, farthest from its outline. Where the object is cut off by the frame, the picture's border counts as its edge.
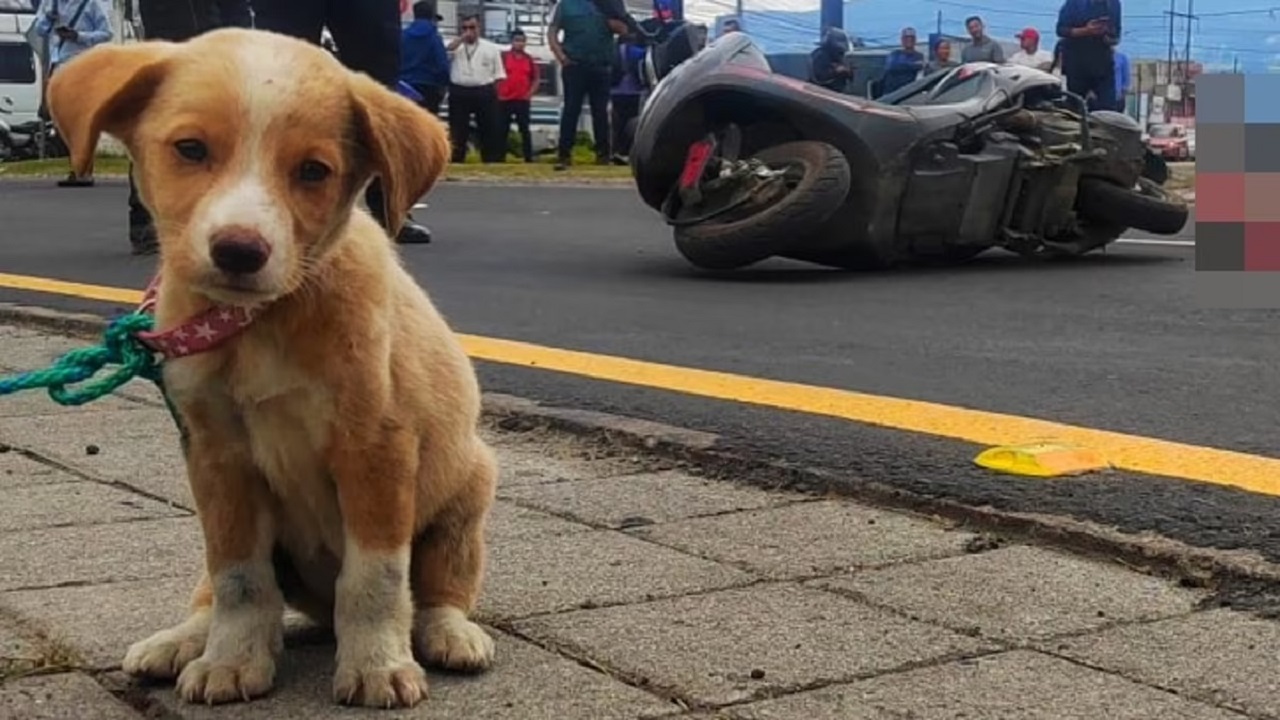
(201, 333)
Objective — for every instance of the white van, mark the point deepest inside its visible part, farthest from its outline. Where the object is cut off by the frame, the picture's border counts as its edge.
(20, 73)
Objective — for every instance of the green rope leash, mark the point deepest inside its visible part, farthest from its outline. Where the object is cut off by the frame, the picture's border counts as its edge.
(119, 346)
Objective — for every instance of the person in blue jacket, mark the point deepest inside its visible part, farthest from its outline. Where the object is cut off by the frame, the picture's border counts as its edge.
(903, 65)
(424, 62)
(1090, 30)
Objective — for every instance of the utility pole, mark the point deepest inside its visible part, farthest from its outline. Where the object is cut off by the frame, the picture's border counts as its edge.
(1186, 61)
(1173, 14)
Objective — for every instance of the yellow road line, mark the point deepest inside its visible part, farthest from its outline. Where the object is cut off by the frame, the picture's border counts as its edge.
(1134, 453)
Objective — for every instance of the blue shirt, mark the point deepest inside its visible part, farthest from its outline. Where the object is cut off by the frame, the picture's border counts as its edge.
(93, 27)
(1122, 74)
(423, 59)
(900, 69)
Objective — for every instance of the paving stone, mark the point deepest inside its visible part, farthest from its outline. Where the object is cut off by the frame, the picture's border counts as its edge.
(100, 553)
(79, 503)
(1019, 593)
(1222, 656)
(38, 403)
(526, 683)
(705, 647)
(541, 458)
(644, 499)
(102, 621)
(553, 573)
(24, 349)
(18, 471)
(808, 539)
(509, 523)
(136, 447)
(20, 650)
(70, 696)
(1020, 685)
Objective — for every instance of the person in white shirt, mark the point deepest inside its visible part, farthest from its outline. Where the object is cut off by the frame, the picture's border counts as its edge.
(475, 67)
(1030, 53)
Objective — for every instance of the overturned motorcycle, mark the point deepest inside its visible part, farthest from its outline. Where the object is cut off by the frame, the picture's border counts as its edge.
(746, 165)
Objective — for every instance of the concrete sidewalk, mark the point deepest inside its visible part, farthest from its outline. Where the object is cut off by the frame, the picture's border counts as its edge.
(619, 588)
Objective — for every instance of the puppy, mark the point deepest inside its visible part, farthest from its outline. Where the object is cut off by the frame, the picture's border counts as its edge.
(333, 450)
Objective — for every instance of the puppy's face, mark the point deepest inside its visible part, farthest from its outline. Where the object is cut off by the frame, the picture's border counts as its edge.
(250, 149)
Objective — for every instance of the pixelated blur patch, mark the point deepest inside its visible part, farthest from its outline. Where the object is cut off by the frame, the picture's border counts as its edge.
(1042, 460)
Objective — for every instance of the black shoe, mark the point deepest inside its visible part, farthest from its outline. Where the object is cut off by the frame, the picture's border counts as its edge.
(562, 164)
(142, 236)
(413, 234)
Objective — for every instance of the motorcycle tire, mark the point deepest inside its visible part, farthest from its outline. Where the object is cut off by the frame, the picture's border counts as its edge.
(1147, 207)
(815, 198)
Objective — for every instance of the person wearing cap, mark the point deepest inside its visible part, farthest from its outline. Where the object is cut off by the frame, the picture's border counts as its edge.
(424, 62)
(1031, 54)
(903, 65)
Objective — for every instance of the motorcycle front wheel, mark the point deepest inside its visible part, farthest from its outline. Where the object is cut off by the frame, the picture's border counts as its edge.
(817, 178)
(1147, 206)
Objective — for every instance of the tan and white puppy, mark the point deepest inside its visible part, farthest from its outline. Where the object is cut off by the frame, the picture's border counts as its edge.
(333, 451)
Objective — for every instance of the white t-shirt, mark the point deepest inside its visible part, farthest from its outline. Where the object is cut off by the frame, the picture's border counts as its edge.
(476, 65)
(1040, 59)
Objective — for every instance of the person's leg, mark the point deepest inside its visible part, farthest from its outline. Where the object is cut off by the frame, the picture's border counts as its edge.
(493, 136)
(434, 98)
(575, 90)
(142, 231)
(508, 112)
(459, 121)
(523, 112)
(1104, 86)
(598, 95)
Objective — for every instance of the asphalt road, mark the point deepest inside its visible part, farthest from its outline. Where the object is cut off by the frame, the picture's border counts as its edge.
(1113, 341)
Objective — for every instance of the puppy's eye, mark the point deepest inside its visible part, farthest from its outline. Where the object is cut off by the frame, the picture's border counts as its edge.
(313, 171)
(193, 150)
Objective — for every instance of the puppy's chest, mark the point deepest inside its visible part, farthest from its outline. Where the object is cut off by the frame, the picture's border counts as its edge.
(286, 419)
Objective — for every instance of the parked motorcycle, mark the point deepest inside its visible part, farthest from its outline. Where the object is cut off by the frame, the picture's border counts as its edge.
(746, 164)
(20, 141)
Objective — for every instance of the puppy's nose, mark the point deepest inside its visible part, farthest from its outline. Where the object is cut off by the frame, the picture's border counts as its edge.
(239, 252)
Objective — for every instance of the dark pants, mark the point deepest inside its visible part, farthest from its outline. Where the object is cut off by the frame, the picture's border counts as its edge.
(625, 108)
(518, 111)
(179, 20)
(432, 97)
(479, 103)
(367, 33)
(585, 82)
(1093, 75)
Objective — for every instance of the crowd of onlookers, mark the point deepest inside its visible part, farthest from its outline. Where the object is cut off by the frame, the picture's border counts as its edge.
(1085, 55)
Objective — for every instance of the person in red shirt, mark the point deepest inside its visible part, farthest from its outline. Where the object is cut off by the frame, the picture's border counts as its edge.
(516, 91)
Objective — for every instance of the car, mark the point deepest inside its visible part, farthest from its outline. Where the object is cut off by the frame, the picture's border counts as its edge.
(1170, 141)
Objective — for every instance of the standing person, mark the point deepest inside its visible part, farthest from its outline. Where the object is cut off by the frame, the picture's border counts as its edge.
(475, 67)
(730, 27)
(1090, 30)
(516, 90)
(983, 48)
(828, 68)
(367, 36)
(424, 63)
(585, 54)
(1122, 80)
(942, 59)
(69, 27)
(903, 65)
(176, 21)
(625, 96)
(1030, 53)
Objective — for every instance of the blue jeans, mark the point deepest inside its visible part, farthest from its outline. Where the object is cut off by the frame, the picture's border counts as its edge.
(590, 83)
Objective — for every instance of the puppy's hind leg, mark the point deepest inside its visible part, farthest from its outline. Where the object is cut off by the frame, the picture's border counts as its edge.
(448, 571)
(163, 655)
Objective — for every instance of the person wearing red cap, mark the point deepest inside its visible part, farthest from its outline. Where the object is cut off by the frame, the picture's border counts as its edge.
(1030, 54)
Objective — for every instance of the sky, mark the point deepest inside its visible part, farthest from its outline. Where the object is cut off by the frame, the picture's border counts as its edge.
(1226, 32)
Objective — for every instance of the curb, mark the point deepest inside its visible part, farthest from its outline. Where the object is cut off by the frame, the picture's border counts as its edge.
(1239, 579)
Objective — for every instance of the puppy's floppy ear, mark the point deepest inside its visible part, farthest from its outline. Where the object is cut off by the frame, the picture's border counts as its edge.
(408, 146)
(104, 90)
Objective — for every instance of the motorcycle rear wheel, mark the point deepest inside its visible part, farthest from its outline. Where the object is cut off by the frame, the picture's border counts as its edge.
(1147, 207)
(818, 186)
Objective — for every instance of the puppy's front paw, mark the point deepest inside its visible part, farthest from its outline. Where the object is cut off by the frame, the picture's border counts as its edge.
(220, 681)
(163, 655)
(446, 638)
(394, 685)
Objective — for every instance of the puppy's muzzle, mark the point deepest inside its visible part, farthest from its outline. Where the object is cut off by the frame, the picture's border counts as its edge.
(239, 253)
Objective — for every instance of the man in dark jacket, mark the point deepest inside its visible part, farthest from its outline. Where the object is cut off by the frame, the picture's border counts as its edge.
(424, 62)
(176, 20)
(1090, 30)
(367, 34)
(829, 69)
